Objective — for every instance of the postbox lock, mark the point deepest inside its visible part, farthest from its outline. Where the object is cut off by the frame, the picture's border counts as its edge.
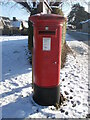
(46, 28)
(54, 62)
(61, 24)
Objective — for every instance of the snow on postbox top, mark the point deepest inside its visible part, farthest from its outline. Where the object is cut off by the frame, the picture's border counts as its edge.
(46, 18)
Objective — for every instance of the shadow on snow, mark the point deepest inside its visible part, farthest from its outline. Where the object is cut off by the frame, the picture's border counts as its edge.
(14, 59)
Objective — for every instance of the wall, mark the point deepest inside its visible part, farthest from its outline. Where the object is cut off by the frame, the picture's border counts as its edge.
(42, 7)
(85, 27)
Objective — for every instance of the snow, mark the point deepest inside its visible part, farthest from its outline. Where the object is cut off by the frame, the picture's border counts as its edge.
(16, 87)
(85, 21)
(25, 23)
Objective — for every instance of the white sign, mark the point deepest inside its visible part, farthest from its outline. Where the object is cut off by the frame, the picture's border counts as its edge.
(46, 44)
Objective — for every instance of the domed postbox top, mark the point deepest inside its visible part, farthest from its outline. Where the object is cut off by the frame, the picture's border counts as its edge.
(44, 17)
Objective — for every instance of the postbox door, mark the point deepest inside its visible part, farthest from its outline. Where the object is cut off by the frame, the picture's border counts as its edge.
(47, 64)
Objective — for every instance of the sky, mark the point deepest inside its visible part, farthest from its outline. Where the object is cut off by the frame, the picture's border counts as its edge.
(14, 10)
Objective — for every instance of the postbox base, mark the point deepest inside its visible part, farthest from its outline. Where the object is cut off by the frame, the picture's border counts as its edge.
(46, 96)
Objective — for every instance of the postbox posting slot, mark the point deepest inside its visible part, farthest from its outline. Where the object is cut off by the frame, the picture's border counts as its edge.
(47, 32)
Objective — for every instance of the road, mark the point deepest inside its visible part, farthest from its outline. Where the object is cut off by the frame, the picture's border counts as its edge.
(78, 36)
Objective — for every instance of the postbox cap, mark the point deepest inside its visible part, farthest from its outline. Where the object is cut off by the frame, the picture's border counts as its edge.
(52, 17)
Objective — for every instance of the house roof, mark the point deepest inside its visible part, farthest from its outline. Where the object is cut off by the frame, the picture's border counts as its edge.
(56, 3)
(54, 6)
(5, 18)
(5, 21)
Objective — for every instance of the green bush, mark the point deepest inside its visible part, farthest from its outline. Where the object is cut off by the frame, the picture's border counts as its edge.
(59, 12)
(64, 33)
(14, 31)
(63, 45)
(24, 32)
(6, 31)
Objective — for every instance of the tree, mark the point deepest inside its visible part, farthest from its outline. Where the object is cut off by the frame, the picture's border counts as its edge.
(77, 15)
(57, 11)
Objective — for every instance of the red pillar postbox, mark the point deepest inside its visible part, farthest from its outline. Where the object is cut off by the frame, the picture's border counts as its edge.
(46, 57)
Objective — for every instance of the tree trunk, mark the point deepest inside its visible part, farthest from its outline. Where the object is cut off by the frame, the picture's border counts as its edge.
(30, 36)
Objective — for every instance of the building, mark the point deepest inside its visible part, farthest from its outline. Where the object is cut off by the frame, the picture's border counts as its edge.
(85, 26)
(10, 27)
(43, 7)
(5, 25)
(19, 24)
(4, 22)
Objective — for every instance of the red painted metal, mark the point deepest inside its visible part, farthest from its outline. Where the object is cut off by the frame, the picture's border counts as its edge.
(46, 63)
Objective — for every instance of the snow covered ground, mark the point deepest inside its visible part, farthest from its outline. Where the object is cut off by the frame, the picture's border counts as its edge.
(16, 88)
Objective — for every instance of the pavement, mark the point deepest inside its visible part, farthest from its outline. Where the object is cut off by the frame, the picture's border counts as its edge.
(85, 38)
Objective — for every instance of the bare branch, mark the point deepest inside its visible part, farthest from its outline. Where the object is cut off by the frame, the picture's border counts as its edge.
(14, 5)
(25, 5)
